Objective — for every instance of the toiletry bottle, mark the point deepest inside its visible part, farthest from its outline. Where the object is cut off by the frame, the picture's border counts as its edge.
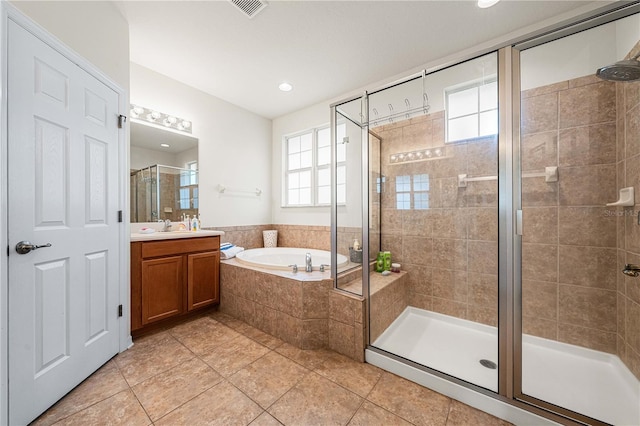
(387, 260)
(188, 223)
(194, 224)
(356, 244)
(380, 262)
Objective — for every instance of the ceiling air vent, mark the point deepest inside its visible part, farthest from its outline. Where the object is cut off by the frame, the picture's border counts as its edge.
(249, 7)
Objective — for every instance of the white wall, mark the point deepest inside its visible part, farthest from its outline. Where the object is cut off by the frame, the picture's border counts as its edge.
(308, 118)
(580, 54)
(234, 147)
(94, 29)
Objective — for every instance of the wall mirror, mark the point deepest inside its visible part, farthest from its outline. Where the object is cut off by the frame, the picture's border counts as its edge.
(164, 173)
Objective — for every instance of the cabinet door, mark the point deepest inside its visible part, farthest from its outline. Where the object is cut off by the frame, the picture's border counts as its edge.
(162, 288)
(204, 279)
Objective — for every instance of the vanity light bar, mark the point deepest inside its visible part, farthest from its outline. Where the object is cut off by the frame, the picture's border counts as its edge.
(160, 118)
(422, 154)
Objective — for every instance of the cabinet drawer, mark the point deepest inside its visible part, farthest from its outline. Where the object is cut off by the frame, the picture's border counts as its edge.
(179, 246)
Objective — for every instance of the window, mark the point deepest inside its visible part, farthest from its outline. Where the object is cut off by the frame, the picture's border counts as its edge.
(416, 197)
(308, 167)
(472, 110)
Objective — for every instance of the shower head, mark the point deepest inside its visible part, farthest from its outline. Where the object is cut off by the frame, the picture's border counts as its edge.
(628, 70)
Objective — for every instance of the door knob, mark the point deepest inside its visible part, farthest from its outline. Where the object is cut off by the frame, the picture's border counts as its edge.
(24, 247)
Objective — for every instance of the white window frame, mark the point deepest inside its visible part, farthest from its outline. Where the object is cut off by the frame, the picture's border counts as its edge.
(314, 169)
(459, 88)
(411, 191)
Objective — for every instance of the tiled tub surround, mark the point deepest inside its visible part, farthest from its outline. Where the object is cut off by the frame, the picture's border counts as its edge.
(315, 237)
(450, 250)
(573, 290)
(302, 309)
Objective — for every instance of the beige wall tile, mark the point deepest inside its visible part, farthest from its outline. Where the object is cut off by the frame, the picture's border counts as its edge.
(450, 285)
(589, 266)
(450, 307)
(417, 250)
(483, 257)
(632, 131)
(417, 223)
(482, 223)
(536, 192)
(543, 90)
(587, 307)
(538, 150)
(449, 223)
(482, 157)
(539, 262)
(587, 337)
(588, 185)
(483, 314)
(483, 290)
(539, 113)
(450, 254)
(633, 325)
(574, 221)
(342, 338)
(590, 104)
(289, 329)
(594, 144)
(540, 299)
(536, 326)
(315, 334)
(540, 225)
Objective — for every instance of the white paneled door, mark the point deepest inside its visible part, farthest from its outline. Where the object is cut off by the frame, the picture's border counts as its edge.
(63, 191)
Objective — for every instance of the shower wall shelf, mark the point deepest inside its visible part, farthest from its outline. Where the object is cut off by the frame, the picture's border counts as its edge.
(626, 198)
(223, 189)
(550, 174)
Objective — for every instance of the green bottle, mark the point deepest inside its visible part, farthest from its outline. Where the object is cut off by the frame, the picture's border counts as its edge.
(387, 260)
(380, 262)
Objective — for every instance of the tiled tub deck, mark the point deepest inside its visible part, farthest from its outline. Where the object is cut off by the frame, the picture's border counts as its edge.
(304, 310)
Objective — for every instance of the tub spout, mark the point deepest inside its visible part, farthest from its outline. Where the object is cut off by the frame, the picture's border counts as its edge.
(308, 267)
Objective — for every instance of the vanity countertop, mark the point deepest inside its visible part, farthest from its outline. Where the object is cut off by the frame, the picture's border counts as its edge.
(159, 235)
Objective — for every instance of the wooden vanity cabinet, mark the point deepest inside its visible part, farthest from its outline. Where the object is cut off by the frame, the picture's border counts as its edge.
(170, 278)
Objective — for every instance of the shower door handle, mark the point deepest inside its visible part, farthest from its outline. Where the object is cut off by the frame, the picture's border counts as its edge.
(518, 222)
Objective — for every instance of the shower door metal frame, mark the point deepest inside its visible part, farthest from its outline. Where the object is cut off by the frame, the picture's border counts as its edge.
(567, 30)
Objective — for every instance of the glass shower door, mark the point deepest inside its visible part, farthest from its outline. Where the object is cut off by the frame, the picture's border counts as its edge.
(439, 219)
(579, 347)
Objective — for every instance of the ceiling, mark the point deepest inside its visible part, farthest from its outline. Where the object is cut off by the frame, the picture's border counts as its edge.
(325, 49)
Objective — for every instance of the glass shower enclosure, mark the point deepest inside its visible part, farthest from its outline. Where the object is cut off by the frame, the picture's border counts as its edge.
(496, 184)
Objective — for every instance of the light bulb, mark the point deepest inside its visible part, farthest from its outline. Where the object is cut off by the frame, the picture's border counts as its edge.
(483, 4)
(285, 87)
(186, 124)
(394, 158)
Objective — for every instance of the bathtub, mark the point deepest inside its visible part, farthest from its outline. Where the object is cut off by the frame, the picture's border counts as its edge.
(282, 257)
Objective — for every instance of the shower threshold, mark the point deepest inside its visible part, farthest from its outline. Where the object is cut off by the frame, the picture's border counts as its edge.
(593, 383)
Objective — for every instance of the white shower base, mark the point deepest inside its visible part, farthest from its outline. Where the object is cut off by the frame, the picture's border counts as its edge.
(593, 383)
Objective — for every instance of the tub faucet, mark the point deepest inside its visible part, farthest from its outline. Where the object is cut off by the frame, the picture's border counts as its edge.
(308, 267)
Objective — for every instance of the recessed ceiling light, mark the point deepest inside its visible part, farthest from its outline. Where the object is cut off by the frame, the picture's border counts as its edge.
(164, 145)
(486, 3)
(285, 87)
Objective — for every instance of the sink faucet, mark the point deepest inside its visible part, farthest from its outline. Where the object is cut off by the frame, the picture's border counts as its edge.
(167, 225)
(308, 267)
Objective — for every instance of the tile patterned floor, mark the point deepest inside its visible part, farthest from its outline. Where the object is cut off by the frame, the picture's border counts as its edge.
(217, 370)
